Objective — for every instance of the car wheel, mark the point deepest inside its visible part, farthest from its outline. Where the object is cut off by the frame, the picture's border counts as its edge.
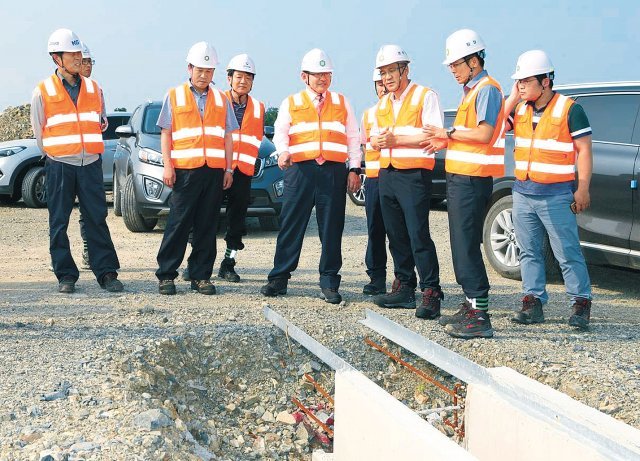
(501, 246)
(357, 197)
(34, 188)
(117, 198)
(269, 223)
(134, 221)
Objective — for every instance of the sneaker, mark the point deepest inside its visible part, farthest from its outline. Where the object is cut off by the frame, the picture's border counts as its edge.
(430, 307)
(111, 283)
(275, 287)
(227, 272)
(401, 295)
(475, 324)
(581, 313)
(67, 285)
(185, 275)
(85, 260)
(457, 317)
(204, 287)
(166, 287)
(375, 287)
(531, 311)
(330, 295)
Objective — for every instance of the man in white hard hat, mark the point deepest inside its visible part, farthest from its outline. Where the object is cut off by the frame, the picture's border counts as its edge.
(475, 155)
(552, 139)
(405, 182)
(196, 122)
(316, 132)
(249, 113)
(66, 114)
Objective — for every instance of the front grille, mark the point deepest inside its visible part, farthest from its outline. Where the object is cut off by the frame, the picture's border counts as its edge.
(257, 168)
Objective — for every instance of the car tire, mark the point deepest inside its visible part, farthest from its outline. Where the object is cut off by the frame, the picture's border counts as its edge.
(357, 197)
(117, 196)
(269, 223)
(34, 188)
(134, 221)
(501, 247)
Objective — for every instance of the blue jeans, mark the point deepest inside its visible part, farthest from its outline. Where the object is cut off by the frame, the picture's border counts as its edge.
(532, 215)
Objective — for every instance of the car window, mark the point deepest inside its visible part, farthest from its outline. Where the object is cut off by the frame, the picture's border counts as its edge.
(114, 122)
(150, 118)
(135, 118)
(612, 116)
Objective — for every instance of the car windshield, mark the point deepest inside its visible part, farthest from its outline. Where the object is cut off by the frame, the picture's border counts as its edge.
(150, 118)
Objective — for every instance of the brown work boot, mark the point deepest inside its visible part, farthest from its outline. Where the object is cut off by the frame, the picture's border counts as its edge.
(581, 313)
(531, 311)
(429, 309)
(204, 287)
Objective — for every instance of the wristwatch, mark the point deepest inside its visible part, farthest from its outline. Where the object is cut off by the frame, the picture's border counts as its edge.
(229, 170)
(450, 131)
(357, 171)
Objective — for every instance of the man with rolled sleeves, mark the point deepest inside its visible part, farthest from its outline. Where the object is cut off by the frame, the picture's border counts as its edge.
(406, 172)
(196, 122)
(66, 115)
(315, 134)
(475, 155)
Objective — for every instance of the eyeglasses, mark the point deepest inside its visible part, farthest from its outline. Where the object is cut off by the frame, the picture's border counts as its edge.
(526, 81)
(88, 62)
(455, 65)
(320, 74)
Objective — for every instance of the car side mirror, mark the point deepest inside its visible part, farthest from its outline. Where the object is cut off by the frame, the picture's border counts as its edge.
(268, 132)
(124, 131)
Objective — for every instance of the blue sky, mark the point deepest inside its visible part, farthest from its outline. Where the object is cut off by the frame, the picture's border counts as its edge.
(140, 45)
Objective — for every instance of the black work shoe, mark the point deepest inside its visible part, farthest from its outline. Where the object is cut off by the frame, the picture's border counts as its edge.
(227, 272)
(330, 295)
(111, 283)
(375, 287)
(458, 316)
(275, 287)
(67, 284)
(430, 307)
(401, 295)
(475, 324)
(185, 275)
(85, 260)
(581, 313)
(166, 287)
(531, 311)
(204, 287)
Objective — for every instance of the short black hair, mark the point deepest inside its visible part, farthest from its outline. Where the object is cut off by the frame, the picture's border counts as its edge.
(479, 55)
(541, 77)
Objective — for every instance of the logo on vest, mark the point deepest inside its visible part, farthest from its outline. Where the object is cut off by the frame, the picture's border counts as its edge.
(322, 63)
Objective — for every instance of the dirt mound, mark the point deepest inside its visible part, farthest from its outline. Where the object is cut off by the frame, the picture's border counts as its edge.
(15, 123)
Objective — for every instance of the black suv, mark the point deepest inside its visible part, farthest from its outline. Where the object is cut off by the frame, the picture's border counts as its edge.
(610, 229)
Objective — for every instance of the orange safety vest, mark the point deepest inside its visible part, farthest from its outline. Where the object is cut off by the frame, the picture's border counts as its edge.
(371, 156)
(196, 140)
(312, 135)
(70, 128)
(475, 158)
(246, 140)
(546, 154)
(409, 122)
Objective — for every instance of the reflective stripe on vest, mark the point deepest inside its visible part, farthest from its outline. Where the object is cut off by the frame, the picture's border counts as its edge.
(247, 140)
(546, 154)
(474, 158)
(197, 140)
(312, 135)
(408, 122)
(70, 128)
(371, 156)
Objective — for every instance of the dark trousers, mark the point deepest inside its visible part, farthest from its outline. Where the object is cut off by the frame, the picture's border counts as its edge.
(65, 183)
(83, 229)
(467, 199)
(238, 196)
(195, 204)
(307, 184)
(405, 196)
(376, 255)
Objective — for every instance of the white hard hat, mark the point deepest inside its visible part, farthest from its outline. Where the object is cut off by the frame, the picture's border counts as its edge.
(530, 63)
(203, 55)
(316, 60)
(376, 75)
(388, 54)
(86, 52)
(462, 43)
(63, 40)
(243, 63)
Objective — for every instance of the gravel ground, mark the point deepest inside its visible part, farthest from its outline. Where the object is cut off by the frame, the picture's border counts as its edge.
(139, 376)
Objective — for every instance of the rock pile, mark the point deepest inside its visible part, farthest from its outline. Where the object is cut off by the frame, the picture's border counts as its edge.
(15, 123)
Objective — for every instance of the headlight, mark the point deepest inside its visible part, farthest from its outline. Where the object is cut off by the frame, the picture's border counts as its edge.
(152, 188)
(150, 156)
(9, 151)
(271, 160)
(278, 188)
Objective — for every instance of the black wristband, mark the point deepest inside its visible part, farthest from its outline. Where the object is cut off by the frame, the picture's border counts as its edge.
(357, 171)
